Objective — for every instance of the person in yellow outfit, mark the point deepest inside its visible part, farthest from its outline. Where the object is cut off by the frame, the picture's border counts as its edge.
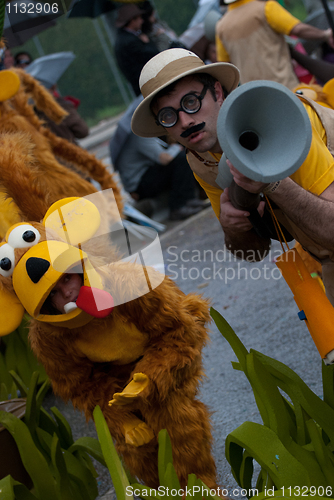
(182, 98)
(250, 35)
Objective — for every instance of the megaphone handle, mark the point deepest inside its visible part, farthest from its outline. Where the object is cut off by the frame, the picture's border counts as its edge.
(242, 199)
(261, 228)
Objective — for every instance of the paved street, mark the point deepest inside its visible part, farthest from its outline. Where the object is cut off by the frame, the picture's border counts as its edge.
(260, 308)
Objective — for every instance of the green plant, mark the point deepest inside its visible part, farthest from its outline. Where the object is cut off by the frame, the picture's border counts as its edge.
(169, 484)
(16, 355)
(59, 467)
(294, 446)
(119, 476)
(169, 487)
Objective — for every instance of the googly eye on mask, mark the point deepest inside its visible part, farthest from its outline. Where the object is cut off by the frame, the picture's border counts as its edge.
(23, 236)
(7, 260)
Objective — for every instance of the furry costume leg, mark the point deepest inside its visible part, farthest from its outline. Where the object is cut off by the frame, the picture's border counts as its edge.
(187, 423)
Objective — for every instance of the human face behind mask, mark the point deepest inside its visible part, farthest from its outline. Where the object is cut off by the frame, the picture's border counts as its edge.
(66, 290)
(203, 137)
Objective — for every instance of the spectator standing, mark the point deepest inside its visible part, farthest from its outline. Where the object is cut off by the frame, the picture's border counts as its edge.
(133, 48)
(251, 36)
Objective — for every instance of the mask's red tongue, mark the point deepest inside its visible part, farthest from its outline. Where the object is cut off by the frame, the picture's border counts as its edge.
(97, 303)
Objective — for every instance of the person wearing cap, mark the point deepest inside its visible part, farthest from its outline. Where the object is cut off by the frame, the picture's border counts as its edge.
(250, 35)
(182, 98)
(132, 47)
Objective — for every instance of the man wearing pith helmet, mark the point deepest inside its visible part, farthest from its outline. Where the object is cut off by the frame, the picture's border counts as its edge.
(182, 98)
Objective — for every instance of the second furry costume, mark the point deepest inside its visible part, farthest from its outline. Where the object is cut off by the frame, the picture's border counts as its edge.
(60, 166)
(144, 355)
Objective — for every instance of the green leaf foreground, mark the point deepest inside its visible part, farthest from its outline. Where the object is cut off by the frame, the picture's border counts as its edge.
(169, 483)
(294, 446)
(16, 356)
(59, 468)
(124, 485)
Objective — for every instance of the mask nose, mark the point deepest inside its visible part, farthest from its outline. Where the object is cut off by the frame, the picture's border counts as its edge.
(36, 268)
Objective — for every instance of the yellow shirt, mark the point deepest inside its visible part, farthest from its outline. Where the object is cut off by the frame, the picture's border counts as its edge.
(314, 175)
(278, 18)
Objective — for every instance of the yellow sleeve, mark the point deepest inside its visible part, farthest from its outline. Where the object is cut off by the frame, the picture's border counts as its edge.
(222, 55)
(317, 171)
(278, 18)
(213, 194)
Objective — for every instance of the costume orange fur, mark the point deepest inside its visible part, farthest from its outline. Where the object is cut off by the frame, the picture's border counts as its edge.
(61, 168)
(145, 355)
(323, 95)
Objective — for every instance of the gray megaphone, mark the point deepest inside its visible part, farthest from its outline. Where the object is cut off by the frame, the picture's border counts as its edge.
(264, 130)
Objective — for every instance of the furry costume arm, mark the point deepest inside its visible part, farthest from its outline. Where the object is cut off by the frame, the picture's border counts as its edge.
(86, 162)
(16, 155)
(175, 324)
(61, 148)
(42, 97)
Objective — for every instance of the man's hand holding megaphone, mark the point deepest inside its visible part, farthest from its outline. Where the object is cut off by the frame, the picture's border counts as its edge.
(249, 185)
(265, 133)
(237, 219)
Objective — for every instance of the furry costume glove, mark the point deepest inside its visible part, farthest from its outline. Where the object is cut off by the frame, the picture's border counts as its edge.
(129, 394)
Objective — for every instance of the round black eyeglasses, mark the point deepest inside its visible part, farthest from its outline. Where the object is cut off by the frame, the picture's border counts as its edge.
(190, 103)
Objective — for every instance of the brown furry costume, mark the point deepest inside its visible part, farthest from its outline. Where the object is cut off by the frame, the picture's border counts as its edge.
(61, 165)
(146, 354)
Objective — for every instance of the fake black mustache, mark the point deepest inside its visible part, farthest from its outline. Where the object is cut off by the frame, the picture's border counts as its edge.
(192, 130)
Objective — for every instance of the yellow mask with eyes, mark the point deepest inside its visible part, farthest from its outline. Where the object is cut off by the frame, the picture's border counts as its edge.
(72, 222)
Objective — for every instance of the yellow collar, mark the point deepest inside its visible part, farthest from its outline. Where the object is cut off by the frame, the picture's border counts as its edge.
(234, 5)
(216, 156)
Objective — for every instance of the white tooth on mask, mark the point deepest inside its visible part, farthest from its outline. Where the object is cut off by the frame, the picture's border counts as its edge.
(69, 307)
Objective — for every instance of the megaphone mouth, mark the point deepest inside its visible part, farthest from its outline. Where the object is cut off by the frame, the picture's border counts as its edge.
(249, 140)
(254, 129)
